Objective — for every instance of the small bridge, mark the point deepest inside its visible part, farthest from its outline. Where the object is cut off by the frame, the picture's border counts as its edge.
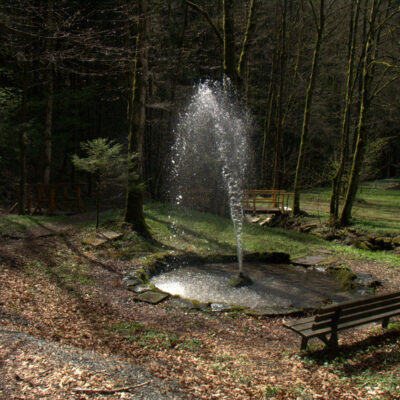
(266, 201)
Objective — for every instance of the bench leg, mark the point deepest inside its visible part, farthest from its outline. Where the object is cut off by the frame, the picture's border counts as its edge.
(385, 322)
(304, 342)
(333, 342)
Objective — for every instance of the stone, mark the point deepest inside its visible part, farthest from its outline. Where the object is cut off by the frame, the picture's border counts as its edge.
(311, 261)
(308, 227)
(367, 280)
(95, 242)
(140, 288)
(110, 235)
(131, 282)
(152, 297)
(363, 244)
(220, 307)
(101, 238)
(240, 280)
(383, 243)
(187, 304)
(396, 241)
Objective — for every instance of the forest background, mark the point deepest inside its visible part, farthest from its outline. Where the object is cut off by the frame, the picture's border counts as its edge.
(320, 78)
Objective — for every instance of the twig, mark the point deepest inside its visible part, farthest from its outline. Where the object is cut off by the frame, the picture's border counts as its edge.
(109, 391)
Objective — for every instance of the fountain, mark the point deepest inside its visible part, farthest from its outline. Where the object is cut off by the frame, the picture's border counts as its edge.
(211, 151)
(209, 164)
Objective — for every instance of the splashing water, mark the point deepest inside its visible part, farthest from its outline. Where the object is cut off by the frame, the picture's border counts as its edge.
(210, 153)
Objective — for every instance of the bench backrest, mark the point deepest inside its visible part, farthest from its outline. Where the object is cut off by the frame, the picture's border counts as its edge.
(359, 310)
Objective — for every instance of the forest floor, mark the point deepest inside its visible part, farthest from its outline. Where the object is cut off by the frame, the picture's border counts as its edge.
(69, 329)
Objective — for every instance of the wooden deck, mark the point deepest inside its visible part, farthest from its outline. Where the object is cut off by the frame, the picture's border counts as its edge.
(266, 201)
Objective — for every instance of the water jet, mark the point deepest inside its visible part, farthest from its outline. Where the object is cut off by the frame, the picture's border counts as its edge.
(210, 155)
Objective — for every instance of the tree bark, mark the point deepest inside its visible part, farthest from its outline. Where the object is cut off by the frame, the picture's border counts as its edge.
(247, 37)
(337, 179)
(279, 101)
(229, 41)
(134, 214)
(48, 126)
(308, 105)
(360, 146)
(50, 94)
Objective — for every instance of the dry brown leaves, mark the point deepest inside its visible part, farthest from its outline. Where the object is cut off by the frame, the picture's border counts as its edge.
(239, 357)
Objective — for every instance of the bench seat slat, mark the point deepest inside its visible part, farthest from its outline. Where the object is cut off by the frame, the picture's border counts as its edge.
(349, 304)
(312, 333)
(358, 315)
(358, 308)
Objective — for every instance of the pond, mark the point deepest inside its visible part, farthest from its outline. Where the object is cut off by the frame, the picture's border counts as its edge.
(276, 288)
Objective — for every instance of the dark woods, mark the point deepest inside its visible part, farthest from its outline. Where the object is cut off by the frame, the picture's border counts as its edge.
(320, 77)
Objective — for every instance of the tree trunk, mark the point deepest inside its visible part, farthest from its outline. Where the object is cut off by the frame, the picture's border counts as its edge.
(268, 119)
(307, 108)
(247, 36)
(360, 147)
(229, 41)
(337, 179)
(48, 126)
(50, 94)
(137, 120)
(22, 141)
(279, 101)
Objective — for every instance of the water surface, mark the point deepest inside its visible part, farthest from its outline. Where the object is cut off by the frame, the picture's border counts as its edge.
(275, 286)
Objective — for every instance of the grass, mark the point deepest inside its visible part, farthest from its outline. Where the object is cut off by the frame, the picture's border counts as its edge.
(11, 223)
(376, 209)
(153, 338)
(207, 233)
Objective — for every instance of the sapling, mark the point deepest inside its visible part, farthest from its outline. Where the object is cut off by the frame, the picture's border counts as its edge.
(106, 161)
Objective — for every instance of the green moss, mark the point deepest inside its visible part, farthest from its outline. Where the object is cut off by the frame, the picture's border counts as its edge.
(142, 276)
(240, 280)
(344, 275)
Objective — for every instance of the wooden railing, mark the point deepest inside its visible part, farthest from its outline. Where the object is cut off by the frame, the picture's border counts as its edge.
(46, 198)
(272, 201)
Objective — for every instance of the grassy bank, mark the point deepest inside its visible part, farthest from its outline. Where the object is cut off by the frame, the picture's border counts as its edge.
(376, 209)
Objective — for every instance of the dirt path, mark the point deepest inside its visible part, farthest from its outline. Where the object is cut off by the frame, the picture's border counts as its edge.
(33, 368)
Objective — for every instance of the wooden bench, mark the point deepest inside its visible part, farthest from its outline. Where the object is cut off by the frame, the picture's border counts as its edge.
(331, 319)
(270, 201)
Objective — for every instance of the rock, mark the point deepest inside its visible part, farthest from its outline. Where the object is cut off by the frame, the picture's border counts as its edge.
(311, 261)
(219, 307)
(363, 244)
(101, 238)
(308, 227)
(396, 241)
(111, 235)
(152, 297)
(367, 280)
(140, 288)
(187, 304)
(240, 280)
(131, 282)
(383, 243)
(95, 242)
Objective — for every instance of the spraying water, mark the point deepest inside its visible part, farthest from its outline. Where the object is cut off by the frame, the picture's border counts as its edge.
(211, 152)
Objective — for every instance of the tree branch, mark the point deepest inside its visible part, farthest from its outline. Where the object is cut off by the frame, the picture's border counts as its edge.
(109, 391)
(207, 17)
